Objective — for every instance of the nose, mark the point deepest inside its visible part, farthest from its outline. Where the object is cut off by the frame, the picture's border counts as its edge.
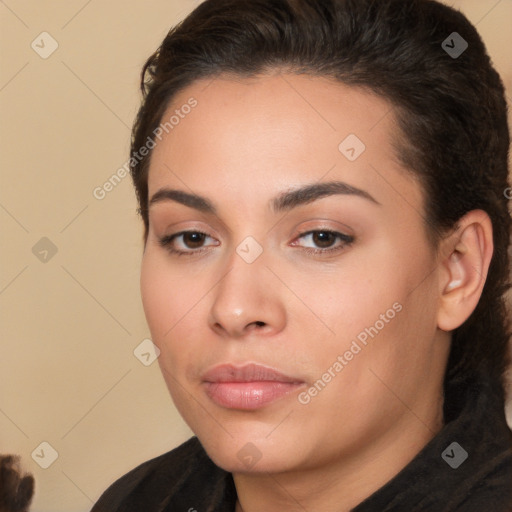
(247, 300)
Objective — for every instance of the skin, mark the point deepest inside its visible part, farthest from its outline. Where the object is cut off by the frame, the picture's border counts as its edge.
(246, 142)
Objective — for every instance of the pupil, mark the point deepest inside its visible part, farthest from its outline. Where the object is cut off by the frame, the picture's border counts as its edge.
(195, 238)
(323, 237)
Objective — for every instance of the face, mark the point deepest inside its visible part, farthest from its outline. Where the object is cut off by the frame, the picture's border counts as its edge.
(295, 328)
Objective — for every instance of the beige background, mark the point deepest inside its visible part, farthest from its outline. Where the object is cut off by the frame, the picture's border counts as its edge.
(68, 374)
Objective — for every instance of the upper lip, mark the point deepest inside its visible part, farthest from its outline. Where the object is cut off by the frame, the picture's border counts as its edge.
(247, 373)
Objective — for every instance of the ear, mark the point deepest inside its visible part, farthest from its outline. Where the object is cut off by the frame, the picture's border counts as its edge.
(465, 263)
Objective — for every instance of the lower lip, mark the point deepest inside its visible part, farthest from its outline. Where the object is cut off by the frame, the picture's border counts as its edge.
(248, 395)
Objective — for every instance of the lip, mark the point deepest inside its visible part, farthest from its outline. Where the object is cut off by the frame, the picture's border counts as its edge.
(247, 387)
(247, 373)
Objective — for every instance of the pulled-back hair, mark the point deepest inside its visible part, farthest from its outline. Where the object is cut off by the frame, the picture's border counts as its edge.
(451, 113)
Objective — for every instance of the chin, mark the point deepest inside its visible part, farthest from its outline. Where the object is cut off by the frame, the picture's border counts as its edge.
(249, 459)
(252, 453)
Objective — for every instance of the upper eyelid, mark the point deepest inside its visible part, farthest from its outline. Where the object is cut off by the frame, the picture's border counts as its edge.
(315, 222)
(300, 233)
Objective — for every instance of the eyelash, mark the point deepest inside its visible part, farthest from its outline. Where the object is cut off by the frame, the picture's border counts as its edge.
(347, 240)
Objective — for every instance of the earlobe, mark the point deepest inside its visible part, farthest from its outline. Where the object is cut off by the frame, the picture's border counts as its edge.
(465, 269)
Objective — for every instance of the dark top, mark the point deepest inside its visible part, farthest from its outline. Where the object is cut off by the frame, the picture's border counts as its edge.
(466, 467)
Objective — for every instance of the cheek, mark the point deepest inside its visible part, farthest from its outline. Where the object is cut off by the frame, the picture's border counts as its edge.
(376, 298)
(351, 296)
(166, 296)
(168, 306)
(155, 296)
(174, 309)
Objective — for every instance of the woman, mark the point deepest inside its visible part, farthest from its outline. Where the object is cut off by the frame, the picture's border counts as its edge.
(323, 190)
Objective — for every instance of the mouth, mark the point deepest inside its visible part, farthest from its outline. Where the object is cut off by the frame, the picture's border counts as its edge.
(248, 387)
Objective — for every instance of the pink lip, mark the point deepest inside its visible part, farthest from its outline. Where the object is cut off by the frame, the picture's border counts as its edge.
(251, 386)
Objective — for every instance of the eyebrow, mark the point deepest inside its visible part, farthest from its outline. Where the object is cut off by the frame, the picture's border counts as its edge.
(283, 202)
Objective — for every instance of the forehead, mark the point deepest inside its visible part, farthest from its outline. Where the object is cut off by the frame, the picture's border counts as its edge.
(265, 134)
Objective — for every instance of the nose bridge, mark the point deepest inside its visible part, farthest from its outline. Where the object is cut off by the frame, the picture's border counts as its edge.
(243, 282)
(244, 295)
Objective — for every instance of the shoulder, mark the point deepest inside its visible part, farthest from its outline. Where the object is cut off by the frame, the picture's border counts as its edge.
(156, 481)
(491, 487)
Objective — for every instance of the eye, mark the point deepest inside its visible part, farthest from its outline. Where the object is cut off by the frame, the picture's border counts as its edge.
(191, 240)
(188, 243)
(325, 241)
